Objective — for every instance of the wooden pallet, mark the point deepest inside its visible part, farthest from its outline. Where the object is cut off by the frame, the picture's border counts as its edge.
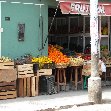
(6, 86)
(8, 94)
(7, 65)
(44, 72)
(27, 86)
(25, 70)
(8, 75)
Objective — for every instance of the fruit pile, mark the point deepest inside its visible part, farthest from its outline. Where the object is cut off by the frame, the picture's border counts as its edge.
(58, 47)
(56, 56)
(41, 61)
(5, 59)
(87, 57)
(104, 30)
(76, 61)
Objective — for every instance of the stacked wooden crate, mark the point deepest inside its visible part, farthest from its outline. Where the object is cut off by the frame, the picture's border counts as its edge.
(25, 70)
(46, 69)
(42, 72)
(27, 83)
(8, 76)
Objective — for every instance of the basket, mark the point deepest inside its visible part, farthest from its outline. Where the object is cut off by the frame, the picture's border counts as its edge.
(61, 65)
(76, 64)
(49, 66)
(86, 68)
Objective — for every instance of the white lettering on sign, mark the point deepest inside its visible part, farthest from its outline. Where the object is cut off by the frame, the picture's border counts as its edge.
(101, 9)
(85, 8)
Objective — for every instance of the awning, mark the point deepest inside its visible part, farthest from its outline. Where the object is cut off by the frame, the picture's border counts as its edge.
(83, 7)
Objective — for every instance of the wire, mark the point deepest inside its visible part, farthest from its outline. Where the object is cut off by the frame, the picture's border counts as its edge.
(49, 28)
(54, 17)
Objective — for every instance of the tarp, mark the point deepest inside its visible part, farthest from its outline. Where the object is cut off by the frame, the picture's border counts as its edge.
(83, 7)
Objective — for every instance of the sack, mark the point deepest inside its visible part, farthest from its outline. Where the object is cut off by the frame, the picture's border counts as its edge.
(103, 67)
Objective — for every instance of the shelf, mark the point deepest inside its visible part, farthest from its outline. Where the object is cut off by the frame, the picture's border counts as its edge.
(74, 35)
(104, 35)
(58, 35)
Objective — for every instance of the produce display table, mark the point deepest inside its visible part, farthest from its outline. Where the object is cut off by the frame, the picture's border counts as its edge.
(77, 72)
(61, 78)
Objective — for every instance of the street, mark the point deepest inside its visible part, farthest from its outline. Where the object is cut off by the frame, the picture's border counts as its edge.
(63, 101)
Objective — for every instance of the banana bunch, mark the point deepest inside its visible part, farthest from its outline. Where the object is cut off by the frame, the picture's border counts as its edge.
(5, 59)
(42, 60)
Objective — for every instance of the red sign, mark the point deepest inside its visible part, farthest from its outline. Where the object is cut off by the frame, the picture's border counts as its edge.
(83, 8)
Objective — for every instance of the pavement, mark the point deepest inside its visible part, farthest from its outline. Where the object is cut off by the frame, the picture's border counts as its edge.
(63, 101)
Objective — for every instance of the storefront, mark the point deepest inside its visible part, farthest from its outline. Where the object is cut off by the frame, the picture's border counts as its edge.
(71, 30)
(73, 26)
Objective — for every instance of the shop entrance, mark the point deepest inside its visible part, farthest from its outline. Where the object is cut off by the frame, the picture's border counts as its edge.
(72, 31)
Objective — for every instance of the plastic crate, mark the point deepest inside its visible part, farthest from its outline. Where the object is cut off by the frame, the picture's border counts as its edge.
(85, 82)
(47, 85)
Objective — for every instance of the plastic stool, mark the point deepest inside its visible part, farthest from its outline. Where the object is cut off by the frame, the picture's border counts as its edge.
(85, 83)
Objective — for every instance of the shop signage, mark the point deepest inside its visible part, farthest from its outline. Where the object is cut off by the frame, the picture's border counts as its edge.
(84, 8)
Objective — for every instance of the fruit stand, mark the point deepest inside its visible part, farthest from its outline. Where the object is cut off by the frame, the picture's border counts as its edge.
(24, 75)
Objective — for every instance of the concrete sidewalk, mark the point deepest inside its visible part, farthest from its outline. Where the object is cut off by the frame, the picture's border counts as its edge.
(71, 98)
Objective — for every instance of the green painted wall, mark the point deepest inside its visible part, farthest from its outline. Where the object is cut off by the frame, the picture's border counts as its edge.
(28, 14)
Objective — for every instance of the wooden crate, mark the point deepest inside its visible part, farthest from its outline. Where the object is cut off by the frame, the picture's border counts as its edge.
(27, 86)
(8, 75)
(86, 69)
(44, 72)
(25, 70)
(6, 86)
(7, 65)
(8, 94)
